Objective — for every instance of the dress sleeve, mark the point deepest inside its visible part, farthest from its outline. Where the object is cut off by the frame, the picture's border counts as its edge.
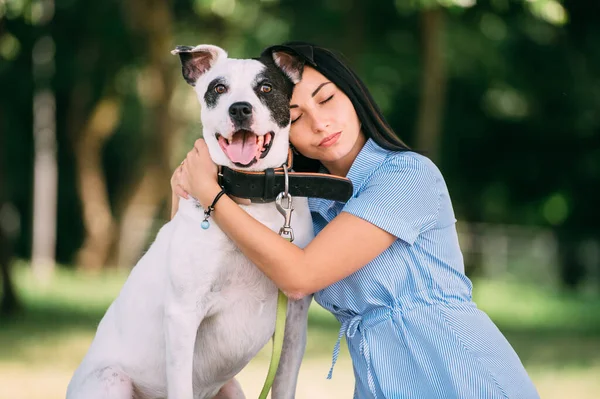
(401, 197)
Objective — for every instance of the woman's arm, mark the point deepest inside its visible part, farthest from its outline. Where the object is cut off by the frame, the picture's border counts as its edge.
(345, 245)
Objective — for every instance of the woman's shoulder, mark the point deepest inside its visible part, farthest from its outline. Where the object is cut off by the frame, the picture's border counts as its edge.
(408, 162)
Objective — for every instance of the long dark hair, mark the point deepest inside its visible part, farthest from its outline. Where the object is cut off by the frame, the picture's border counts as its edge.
(334, 68)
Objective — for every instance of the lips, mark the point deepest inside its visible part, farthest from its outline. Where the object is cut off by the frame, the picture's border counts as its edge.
(245, 147)
(330, 140)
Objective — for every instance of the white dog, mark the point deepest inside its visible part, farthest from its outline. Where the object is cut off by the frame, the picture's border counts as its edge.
(194, 310)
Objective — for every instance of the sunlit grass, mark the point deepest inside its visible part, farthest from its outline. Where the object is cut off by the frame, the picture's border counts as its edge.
(556, 335)
(526, 307)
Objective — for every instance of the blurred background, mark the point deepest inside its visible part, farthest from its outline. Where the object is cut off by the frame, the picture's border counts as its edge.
(504, 95)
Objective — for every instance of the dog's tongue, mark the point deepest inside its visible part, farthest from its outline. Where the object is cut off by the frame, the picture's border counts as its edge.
(242, 148)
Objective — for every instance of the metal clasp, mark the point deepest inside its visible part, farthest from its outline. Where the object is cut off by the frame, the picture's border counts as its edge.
(285, 208)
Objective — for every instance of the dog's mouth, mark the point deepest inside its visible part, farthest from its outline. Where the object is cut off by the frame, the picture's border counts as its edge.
(245, 147)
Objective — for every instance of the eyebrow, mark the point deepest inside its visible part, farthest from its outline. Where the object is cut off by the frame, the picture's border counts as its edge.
(314, 93)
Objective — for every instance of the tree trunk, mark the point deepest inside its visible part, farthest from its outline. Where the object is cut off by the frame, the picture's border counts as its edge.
(153, 22)
(98, 220)
(45, 164)
(139, 215)
(571, 268)
(9, 302)
(433, 83)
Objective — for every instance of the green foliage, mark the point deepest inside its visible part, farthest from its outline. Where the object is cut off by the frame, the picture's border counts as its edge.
(521, 128)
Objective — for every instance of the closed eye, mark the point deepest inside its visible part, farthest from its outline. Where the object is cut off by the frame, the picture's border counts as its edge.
(327, 99)
(322, 102)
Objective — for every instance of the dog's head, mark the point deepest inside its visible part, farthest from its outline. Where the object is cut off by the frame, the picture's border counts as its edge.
(245, 104)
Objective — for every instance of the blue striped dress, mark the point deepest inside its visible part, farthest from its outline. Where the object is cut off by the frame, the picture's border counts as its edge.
(408, 318)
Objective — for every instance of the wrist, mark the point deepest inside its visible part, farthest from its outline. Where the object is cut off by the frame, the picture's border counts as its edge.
(210, 208)
(209, 195)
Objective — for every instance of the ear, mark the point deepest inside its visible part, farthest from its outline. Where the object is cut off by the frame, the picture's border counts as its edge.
(196, 61)
(290, 64)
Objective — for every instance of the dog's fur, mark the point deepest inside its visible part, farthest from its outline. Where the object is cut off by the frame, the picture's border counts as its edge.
(194, 310)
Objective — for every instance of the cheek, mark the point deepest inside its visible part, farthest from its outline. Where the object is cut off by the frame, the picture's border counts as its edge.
(295, 138)
(298, 137)
(346, 110)
(348, 116)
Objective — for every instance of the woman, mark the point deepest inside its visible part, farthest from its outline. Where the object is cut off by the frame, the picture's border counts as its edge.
(387, 263)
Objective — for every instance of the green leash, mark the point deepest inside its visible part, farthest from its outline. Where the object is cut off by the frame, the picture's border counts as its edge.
(286, 231)
(282, 302)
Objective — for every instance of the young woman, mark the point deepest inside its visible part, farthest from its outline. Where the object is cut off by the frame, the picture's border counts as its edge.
(387, 263)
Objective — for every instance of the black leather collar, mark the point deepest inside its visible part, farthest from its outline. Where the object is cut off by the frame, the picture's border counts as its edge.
(265, 186)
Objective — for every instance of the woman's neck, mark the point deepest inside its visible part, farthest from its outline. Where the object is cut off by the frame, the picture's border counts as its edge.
(341, 166)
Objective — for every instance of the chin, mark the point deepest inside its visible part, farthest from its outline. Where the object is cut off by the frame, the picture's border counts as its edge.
(335, 153)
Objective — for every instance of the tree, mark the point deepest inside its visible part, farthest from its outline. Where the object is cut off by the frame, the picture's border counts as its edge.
(152, 23)
(9, 302)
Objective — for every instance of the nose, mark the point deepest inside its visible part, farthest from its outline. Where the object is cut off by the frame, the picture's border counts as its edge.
(240, 111)
(318, 123)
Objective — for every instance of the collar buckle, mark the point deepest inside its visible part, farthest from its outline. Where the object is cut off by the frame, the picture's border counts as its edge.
(285, 208)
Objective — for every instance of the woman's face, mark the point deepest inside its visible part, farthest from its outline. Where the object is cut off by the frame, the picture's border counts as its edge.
(324, 123)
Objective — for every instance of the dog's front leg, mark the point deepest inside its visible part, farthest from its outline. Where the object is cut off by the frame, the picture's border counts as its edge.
(182, 318)
(294, 344)
(231, 390)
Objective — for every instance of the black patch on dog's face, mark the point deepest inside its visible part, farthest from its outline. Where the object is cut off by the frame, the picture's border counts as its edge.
(278, 99)
(211, 97)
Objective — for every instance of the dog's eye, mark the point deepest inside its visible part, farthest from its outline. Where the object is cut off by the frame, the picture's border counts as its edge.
(220, 89)
(266, 88)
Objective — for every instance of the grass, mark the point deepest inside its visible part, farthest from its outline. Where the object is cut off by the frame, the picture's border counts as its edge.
(557, 336)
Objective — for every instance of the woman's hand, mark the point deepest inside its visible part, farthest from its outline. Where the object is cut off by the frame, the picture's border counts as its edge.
(175, 187)
(197, 175)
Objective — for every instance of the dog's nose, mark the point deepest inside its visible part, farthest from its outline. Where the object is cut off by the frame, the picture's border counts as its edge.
(240, 111)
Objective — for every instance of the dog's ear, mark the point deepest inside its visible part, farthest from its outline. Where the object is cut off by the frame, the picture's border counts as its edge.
(195, 61)
(290, 64)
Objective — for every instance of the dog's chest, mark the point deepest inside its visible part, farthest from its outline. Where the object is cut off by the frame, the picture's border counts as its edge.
(237, 280)
(217, 265)
(212, 264)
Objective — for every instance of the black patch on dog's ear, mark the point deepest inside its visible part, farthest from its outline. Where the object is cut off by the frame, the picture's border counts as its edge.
(196, 61)
(278, 99)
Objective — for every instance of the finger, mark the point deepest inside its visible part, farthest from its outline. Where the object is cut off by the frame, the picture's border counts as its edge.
(183, 174)
(176, 175)
(190, 157)
(199, 145)
(181, 192)
(184, 180)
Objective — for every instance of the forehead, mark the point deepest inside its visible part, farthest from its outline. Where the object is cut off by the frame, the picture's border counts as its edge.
(235, 71)
(311, 79)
